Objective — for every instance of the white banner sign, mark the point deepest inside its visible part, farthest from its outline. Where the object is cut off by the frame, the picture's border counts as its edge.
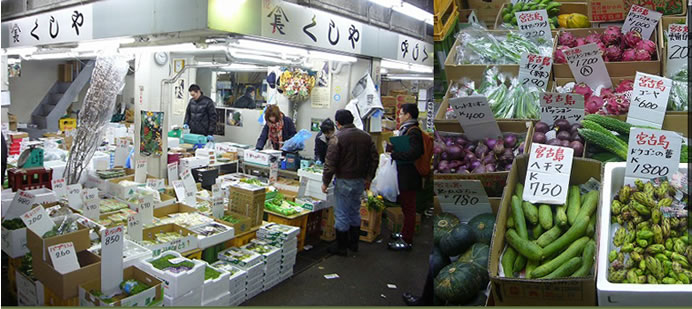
(678, 51)
(414, 51)
(73, 24)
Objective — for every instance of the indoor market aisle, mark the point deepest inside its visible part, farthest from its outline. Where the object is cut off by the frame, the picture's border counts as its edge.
(363, 279)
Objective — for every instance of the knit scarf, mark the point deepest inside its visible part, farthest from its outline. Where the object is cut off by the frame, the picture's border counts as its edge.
(276, 132)
(403, 128)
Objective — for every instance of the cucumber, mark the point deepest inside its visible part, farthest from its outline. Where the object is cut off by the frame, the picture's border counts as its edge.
(519, 263)
(588, 124)
(530, 212)
(525, 247)
(536, 231)
(510, 222)
(610, 123)
(606, 141)
(530, 266)
(575, 232)
(589, 205)
(561, 216)
(573, 250)
(587, 258)
(519, 221)
(508, 261)
(519, 190)
(565, 269)
(573, 204)
(545, 216)
(591, 228)
(549, 236)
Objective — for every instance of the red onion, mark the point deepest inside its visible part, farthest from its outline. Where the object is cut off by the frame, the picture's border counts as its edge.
(475, 164)
(455, 152)
(510, 140)
(490, 142)
(489, 168)
(542, 127)
(469, 157)
(578, 148)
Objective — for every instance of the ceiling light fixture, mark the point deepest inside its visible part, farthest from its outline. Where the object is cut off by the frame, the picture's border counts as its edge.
(409, 77)
(269, 47)
(330, 56)
(406, 9)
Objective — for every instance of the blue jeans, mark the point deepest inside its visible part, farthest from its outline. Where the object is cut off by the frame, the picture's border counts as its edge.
(347, 193)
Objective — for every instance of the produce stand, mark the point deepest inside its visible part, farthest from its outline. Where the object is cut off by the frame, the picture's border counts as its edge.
(298, 220)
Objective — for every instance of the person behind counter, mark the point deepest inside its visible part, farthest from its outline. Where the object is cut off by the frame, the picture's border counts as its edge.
(278, 128)
(322, 139)
(247, 100)
(200, 115)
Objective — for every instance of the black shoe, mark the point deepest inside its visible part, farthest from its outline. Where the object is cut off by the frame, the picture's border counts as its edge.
(339, 248)
(411, 300)
(396, 236)
(353, 238)
(400, 245)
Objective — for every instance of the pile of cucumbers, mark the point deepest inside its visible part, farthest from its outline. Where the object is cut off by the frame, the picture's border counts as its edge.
(548, 241)
(552, 7)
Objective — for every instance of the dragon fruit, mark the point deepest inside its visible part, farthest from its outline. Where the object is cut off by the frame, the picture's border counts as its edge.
(560, 54)
(629, 54)
(593, 104)
(613, 53)
(606, 92)
(617, 104)
(625, 85)
(611, 36)
(593, 38)
(642, 55)
(581, 41)
(648, 46)
(584, 90)
(632, 38)
(567, 39)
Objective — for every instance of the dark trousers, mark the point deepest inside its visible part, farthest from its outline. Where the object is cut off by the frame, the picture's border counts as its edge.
(408, 207)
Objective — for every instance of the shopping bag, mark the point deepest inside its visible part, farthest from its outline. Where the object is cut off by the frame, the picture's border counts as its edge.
(386, 182)
(297, 142)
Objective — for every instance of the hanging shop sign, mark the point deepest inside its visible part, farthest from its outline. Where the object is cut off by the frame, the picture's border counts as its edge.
(414, 51)
(67, 25)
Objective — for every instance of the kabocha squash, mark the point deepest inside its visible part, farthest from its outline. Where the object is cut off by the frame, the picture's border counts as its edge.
(483, 226)
(477, 255)
(457, 241)
(444, 223)
(459, 282)
(438, 261)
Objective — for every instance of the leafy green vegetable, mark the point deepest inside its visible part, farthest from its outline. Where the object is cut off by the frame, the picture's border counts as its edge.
(13, 224)
(210, 273)
(164, 262)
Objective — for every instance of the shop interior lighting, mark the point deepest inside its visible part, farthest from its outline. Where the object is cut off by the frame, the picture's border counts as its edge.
(234, 66)
(409, 77)
(269, 47)
(108, 44)
(250, 56)
(61, 55)
(20, 51)
(396, 65)
(406, 9)
(330, 56)
(182, 47)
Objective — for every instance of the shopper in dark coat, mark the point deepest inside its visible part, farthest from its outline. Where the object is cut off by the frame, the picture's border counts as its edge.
(322, 139)
(277, 129)
(247, 100)
(200, 115)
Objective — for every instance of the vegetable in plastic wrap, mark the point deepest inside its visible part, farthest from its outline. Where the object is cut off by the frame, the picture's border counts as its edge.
(479, 46)
(678, 100)
(66, 226)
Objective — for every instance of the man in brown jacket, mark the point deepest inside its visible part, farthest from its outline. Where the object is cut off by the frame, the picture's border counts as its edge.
(352, 159)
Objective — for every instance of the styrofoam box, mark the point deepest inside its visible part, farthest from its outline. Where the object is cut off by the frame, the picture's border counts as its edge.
(94, 181)
(14, 242)
(173, 142)
(311, 185)
(192, 163)
(256, 157)
(190, 299)
(177, 285)
(100, 161)
(222, 300)
(218, 238)
(29, 293)
(621, 294)
(132, 251)
(57, 168)
(213, 288)
(237, 299)
(246, 264)
(122, 191)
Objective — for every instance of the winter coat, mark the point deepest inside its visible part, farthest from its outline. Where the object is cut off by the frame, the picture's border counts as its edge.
(288, 131)
(408, 176)
(351, 154)
(201, 116)
(245, 102)
(321, 144)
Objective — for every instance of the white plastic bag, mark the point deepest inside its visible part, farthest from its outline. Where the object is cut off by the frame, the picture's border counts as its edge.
(386, 182)
(353, 108)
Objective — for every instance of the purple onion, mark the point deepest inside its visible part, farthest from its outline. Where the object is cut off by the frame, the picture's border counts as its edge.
(510, 140)
(475, 164)
(489, 168)
(444, 156)
(542, 127)
(499, 148)
(490, 142)
(481, 150)
(470, 156)
(461, 140)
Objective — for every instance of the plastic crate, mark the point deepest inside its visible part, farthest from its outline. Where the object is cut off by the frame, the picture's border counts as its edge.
(29, 179)
(446, 17)
(67, 124)
(242, 239)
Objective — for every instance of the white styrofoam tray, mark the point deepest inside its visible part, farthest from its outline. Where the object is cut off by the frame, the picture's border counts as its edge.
(235, 255)
(213, 288)
(14, 242)
(192, 298)
(132, 251)
(623, 294)
(176, 285)
(223, 300)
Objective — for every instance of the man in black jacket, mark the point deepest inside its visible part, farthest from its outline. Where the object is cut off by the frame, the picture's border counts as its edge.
(247, 100)
(200, 115)
(322, 140)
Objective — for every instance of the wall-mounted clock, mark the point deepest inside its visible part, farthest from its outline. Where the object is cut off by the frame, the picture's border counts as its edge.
(161, 58)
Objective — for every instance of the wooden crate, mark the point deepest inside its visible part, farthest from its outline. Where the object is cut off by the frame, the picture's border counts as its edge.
(300, 221)
(242, 239)
(328, 231)
(370, 224)
(53, 300)
(314, 228)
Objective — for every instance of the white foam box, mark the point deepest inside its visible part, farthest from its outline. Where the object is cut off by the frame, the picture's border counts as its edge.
(94, 181)
(213, 288)
(256, 271)
(256, 157)
(191, 163)
(218, 238)
(14, 242)
(176, 285)
(173, 142)
(242, 258)
(311, 185)
(624, 294)
(132, 252)
(237, 299)
(57, 167)
(223, 300)
(100, 161)
(42, 196)
(29, 292)
(123, 191)
(192, 298)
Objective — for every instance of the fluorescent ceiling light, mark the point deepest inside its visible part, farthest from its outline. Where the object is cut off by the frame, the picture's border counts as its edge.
(383, 71)
(155, 48)
(103, 44)
(245, 68)
(406, 9)
(409, 77)
(13, 60)
(269, 47)
(257, 57)
(330, 56)
(62, 55)
(396, 65)
(20, 50)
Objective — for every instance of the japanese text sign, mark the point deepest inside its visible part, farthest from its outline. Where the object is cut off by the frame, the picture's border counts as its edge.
(642, 20)
(112, 244)
(547, 176)
(678, 51)
(189, 181)
(652, 154)
(172, 172)
(74, 195)
(534, 70)
(649, 100)
(38, 221)
(535, 25)
(556, 106)
(121, 152)
(20, 204)
(59, 187)
(73, 24)
(64, 257)
(141, 171)
(146, 209)
(587, 66)
(134, 227)
(463, 198)
(475, 117)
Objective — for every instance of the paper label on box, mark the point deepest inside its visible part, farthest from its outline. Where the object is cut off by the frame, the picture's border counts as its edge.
(134, 227)
(652, 154)
(113, 241)
(182, 194)
(74, 195)
(172, 172)
(59, 187)
(519, 1)
(556, 106)
(21, 203)
(547, 176)
(534, 70)
(475, 117)
(588, 66)
(156, 184)
(678, 51)
(649, 100)
(273, 171)
(217, 207)
(141, 171)
(215, 191)
(642, 20)
(91, 209)
(38, 221)
(189, 181)
(146, 209)
(463, 198)
(64, 257)
(535, 25)
(121, 152)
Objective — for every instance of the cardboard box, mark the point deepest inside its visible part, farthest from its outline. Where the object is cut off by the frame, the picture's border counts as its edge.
(66, 285)
(616, 10)
(395, 219)
(486, 10)
(39, 245)
(663, 26)
(615, 69)
(567, 7)
(456, 72)
(29, 291)
(146, 298)
(538, 292)
(370, 224)
(12, 120)
(187, 242)
(244, 223)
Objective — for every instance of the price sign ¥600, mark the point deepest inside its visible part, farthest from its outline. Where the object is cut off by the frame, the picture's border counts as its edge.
(649, 100)
(548, 173)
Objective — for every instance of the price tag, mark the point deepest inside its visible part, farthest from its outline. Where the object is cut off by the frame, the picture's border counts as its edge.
(642, 20)
(556, 106)
(475, 117)
(430, 115)
(678, 51)
(183, 195)
(547, 176)
(141, 171)
(134, 227)
(112, 244)
(21, 203)
(273, 171)
(520, 1)
(59, 187)
(649, 100)
(156, 184)
(64, 257)
(217, 209)
(216, 191)
(587, 66)
(172, 172)
(74, 195)
(146, 209)
(122, 149)
(189, 182)
(534, 70)
(535, 25)
(652, 154)
(90, 194)
(463, 198)
(38, 221)
(92, 209)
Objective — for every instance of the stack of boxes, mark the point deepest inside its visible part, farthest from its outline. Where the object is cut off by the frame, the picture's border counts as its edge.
(215, 291)
(284, 237)
(271, 260)
(251, 263)
(180, 287)
(248, 200)
(208, 155)
(237, 282)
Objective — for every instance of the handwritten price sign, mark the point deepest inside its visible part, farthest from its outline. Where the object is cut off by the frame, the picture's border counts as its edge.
(649, 100)
(475, 116)
(678, 51)
(112, 244)
(547, 176)
(534, 25)
(463, 198)
(652, 154)
(556, 106)
(134, 227)
(74, 195)
(21, 203)
(172, 172)
(535, 70)
(64, 257)
(38, 221)
(59, 187)
(642, 20)
(141, 171)
(588, 66)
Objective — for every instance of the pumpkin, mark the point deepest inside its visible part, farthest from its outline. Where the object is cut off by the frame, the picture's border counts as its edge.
(443, 223)
(478, 256)
(438, 261)
(483, 226)
(457, 241)
(458, 282)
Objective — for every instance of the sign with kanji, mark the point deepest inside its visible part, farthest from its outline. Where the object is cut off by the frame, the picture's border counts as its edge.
(141, 171)
(172, 172)
(64, 257)
(652, 154)
(38, 221)
(21, 203)
(414, 51)
(134, 227)
(556, 106)
(535, 25)
(547, 176)
(649, 100)
(73, 24)
(678, 51)
(534, 70)
(475, 117)
(74, 195)
(642, 20)
(587, 66)
(463, 198)
(59, 187)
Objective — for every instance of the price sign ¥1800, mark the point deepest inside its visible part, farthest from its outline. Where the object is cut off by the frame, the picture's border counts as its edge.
(548, 173)
(652, 154)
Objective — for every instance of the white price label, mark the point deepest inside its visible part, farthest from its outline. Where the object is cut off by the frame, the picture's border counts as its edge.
(59, 187)
(520, 1)
(678, 51)
(21, 203)
(74, 195)
(146, 209)
(38, 221)
(475, 117)
(547, 176)
(649, 100)
(112, 244)
(156, 184)
(556, 106)
(217, 207)
(92, 209)
(90, 194)
(121, 152)
(172, 172)
(534, 70)
(652, 154)
(189, 181)
(463, 198)
(183, 195)
(215, 191)
(430, 115)
(535, 25)
(273, 171)
(141, 171)
(642, 20)
(134, 227)
(64, 257)
(588, 66)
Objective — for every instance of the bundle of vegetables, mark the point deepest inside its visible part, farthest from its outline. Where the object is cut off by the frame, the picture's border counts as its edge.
(651, 246)
(282, 206)
(127, 287)
(375, 203)
(253, 181)
(462, 282)
(479, 46)
(454, 153)
(561, 134)
(161, 238)
(678, 99)
(614, 45)
(572, 20)
(210, 273)
(551, 242)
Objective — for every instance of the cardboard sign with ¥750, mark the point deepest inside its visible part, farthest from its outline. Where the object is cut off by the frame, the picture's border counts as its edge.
(547, 175)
